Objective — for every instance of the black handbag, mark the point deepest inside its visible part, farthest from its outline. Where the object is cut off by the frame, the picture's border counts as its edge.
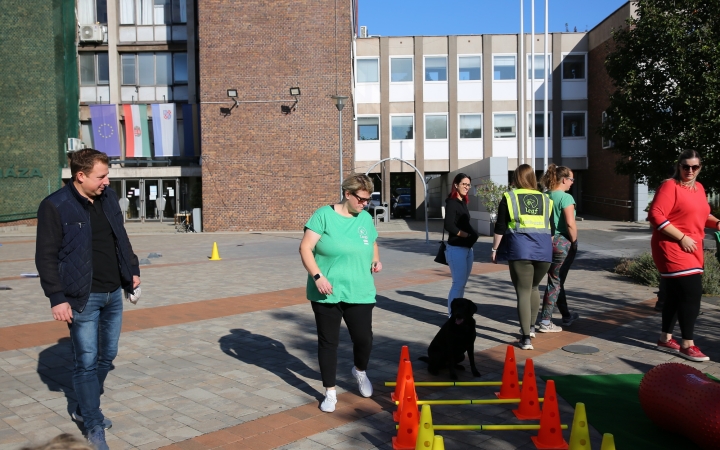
(440, 257)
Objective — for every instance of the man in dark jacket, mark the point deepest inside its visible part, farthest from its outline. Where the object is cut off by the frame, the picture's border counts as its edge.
(85, 261)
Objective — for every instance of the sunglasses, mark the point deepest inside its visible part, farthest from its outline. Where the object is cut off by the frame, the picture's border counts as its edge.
(687, 167)
(360, 199)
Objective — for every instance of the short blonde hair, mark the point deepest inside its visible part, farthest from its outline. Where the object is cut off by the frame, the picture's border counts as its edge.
(63, 442)
(357, 182)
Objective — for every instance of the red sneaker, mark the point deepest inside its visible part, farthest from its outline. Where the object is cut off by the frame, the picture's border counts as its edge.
(693, 354)
(670, 346)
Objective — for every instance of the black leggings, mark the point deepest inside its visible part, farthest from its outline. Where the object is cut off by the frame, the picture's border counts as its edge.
(358, 318)
(682, 303)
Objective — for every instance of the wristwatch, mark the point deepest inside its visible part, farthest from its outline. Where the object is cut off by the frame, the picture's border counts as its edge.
(317, 276)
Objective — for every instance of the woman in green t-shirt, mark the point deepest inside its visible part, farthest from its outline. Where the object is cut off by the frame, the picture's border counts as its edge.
(340, 253)
(558, 180)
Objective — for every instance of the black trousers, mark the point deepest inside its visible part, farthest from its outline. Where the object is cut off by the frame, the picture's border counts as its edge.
(358, 318)
(682, 303)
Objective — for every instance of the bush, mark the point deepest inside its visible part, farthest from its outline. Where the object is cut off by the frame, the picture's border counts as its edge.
(642, 269)
(490, 195)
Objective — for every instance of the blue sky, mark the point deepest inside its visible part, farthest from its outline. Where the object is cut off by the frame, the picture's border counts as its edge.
(446, 17)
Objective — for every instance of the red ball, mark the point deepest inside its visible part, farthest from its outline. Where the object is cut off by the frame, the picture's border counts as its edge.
(680, 398)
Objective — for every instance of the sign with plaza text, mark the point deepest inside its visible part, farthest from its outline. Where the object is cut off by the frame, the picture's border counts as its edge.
(13, 172)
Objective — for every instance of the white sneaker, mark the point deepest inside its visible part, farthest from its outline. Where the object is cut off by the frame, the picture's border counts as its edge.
(532, 331)
(364, 385)
(328, 403)
(525, 344)
(552, 328)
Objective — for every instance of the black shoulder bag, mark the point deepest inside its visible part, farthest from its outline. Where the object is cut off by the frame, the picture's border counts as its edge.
(440, 258)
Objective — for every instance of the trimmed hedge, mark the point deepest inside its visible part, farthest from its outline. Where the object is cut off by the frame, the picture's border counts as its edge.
(642, 269)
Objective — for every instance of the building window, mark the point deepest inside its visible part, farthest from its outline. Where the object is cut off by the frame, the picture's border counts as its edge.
(368, 128)
(503, 68)
(573, 124)
(573, 67)
(152, 12)
(539, 125)
(154, 69)
(436, 126)
(402, 127)
(94, 69)
(606, 143)
(504, 126)
(539, 67)
(435, 68)
(469, 68)
(367, 70)
(401, 70)
(91, 11)
(470, 126)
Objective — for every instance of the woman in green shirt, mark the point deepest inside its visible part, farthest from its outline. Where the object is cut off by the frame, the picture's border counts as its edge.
(340, 253)
(558, 180)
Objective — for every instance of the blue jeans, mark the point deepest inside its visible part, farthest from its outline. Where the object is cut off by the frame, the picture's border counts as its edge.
(460, 261)
(94, 333)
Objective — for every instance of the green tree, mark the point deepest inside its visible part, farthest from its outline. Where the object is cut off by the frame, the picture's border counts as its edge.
(665, 67)
(490, 195)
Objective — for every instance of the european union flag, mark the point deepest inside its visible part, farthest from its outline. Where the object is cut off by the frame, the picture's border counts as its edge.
(106, 137)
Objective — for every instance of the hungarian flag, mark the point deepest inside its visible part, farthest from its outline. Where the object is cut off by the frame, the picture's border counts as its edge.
(137, 137)
(106, 137)
(165, 129)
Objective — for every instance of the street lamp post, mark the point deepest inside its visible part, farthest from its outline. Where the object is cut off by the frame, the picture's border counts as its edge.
(340, 104)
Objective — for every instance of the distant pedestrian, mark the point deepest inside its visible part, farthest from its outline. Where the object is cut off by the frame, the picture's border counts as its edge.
(558, 180)
(523, 237)
(461, 236)
(679, 214)
(340, 253)
(85, 261)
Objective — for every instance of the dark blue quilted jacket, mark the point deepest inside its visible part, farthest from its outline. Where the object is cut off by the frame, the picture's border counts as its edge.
(63, 253)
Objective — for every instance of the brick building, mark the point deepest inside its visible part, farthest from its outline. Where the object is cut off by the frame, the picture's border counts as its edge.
(268, 163)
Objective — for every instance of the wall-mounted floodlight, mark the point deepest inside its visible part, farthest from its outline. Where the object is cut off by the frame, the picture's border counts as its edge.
(232, 93)
(294, 91)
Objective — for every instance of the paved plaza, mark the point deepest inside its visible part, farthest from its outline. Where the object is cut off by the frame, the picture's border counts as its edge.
(223, 353)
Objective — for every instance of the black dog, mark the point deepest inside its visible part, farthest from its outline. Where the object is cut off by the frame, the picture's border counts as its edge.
(455, 338)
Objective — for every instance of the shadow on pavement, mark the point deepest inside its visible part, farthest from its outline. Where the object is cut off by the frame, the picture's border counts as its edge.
(55, 369)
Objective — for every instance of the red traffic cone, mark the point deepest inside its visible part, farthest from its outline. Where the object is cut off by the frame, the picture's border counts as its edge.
(550, 434)
(400, 380)
(529, 407)
(409, 419)
(510, 387)
(407, 376)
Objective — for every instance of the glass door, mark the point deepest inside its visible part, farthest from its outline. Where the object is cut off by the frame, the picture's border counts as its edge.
(169, 192)
(133, 194)
(154, 201)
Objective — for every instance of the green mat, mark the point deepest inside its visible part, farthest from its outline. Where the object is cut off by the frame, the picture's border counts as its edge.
(612, 406)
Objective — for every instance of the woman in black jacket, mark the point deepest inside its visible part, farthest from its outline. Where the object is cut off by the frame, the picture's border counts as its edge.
(462, 236)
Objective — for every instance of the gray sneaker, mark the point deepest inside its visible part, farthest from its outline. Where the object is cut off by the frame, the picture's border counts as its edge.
(549, 328)
(107, 423)
(532, 331)
(96, 437)
(567, 321)
(525, 344)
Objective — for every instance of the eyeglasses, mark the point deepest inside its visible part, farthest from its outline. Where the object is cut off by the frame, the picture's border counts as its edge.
(360, 199)
(570, 178)
(687, 167)
(465, 184)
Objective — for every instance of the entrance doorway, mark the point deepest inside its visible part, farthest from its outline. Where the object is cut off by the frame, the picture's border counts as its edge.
(148, 199)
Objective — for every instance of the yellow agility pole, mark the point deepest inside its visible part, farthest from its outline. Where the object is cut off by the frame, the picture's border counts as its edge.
(494, 401)
(450, 383)
(487, 427)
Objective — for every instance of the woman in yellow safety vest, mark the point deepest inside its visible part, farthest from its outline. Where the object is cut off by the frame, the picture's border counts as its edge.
(523, 237)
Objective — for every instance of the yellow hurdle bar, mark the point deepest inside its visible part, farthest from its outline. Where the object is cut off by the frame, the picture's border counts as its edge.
(487, 427)
(494, 401)
(451, 383)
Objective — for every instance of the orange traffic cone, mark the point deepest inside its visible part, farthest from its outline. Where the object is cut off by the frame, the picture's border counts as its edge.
(550, 434)
(529, 407)
(407, 375)
(510, 387)
(409, 419)
(215, 254)
(400, 381)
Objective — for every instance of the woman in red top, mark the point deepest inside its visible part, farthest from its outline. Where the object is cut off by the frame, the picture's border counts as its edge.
(680, 212)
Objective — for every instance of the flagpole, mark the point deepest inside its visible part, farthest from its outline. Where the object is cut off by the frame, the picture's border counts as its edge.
(521, 56)
(545, 95)
(532, 84)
